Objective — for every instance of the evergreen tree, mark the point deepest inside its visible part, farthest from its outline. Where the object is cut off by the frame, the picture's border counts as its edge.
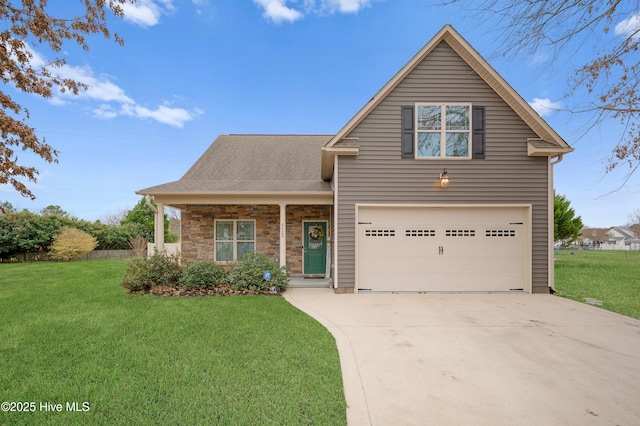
(143, 216)
(566, 225)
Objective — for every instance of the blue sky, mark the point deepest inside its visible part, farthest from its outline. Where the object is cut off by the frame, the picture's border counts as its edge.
(193, 69)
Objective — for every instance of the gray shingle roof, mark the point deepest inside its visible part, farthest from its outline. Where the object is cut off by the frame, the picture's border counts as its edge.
(254, 164)
(624, 231)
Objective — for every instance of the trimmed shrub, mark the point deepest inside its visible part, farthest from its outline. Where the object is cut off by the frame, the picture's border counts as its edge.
(136, 276)
(203, 275)
(71, 243)
(144, 273)
(248, 273)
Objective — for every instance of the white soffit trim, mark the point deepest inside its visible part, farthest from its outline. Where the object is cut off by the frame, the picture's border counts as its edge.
(324, 198)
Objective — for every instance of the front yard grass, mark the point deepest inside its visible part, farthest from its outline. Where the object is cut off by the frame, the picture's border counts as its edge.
(69, 333)
(612, 277)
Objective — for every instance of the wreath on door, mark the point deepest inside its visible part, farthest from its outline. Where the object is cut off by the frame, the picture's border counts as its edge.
(316, 232)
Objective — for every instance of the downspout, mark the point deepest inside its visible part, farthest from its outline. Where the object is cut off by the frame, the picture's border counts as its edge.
(150, 204)
(334, 184)
(553, 163)
(551, 219)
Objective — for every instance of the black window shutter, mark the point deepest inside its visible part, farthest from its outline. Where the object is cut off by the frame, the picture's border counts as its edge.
(407, 132)
(478, 134)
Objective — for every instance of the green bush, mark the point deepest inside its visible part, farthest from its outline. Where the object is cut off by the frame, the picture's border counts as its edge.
(26, 232)
(248, 273)
(143, 274)
(203, 275)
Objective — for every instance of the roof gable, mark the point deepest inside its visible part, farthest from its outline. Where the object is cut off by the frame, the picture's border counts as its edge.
(548, 144)
(621, 232)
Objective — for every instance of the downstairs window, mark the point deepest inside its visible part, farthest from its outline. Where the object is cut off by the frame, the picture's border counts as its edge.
(234, 238)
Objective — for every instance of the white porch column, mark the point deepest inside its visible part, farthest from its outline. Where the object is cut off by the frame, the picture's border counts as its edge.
(159, 228)
(283, 235)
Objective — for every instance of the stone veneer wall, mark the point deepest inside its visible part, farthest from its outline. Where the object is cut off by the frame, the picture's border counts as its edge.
(198, 232)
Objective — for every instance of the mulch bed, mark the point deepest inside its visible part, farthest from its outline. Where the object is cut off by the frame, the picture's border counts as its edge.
(219, 290)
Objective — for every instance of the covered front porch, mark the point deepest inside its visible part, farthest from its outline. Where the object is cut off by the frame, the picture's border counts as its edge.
(297, 233)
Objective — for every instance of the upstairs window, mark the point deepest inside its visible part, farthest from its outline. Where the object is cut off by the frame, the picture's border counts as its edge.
(443, 131)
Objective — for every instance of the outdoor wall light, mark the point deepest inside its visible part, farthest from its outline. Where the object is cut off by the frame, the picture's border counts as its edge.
(444, 178)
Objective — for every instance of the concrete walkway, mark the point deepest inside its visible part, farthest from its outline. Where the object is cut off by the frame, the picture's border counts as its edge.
(480, 359)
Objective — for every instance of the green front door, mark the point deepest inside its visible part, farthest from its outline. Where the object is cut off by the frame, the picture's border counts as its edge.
(315, 248)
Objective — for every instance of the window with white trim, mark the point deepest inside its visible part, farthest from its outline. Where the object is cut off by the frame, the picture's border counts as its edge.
(443, 131)
(234, 238)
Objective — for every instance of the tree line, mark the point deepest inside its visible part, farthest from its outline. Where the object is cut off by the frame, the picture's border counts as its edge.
(33, 232)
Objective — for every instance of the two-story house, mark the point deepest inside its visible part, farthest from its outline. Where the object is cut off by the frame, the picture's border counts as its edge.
(443, 181)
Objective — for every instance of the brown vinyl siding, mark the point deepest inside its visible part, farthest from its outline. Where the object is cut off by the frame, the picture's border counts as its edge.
(378, 174)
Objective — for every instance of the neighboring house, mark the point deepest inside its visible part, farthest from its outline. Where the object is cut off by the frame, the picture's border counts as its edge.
(443, 181)
(592, 237)
(633, 244)
(621, 238)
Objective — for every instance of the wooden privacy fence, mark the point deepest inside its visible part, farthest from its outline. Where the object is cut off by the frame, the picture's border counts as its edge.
(108, 254)
(94, 255)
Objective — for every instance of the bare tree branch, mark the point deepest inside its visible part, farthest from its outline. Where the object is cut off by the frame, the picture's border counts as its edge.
(609, 29)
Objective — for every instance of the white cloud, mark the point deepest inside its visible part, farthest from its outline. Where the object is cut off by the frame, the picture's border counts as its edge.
(36, 61)
(99, 88)
(146, 13)
(277, 10)
(164, 114)
(105, 111)
(168, 4)
(629, 27)
(344, 6)
(102, 89)
(545, 106)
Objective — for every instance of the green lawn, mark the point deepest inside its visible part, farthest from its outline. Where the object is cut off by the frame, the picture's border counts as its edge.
(610, 276)
(69, 333)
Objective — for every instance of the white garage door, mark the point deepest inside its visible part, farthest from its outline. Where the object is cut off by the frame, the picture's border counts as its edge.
(442, 249)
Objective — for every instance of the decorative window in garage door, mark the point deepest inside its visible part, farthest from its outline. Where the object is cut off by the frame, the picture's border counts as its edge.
(500, 233)
(420, 233)
(460, 233)
(380, 233)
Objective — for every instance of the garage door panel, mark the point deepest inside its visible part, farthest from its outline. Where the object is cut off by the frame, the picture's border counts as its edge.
(441, 249)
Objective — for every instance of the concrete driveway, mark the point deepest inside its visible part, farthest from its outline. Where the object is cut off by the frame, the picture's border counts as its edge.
(480, 359)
